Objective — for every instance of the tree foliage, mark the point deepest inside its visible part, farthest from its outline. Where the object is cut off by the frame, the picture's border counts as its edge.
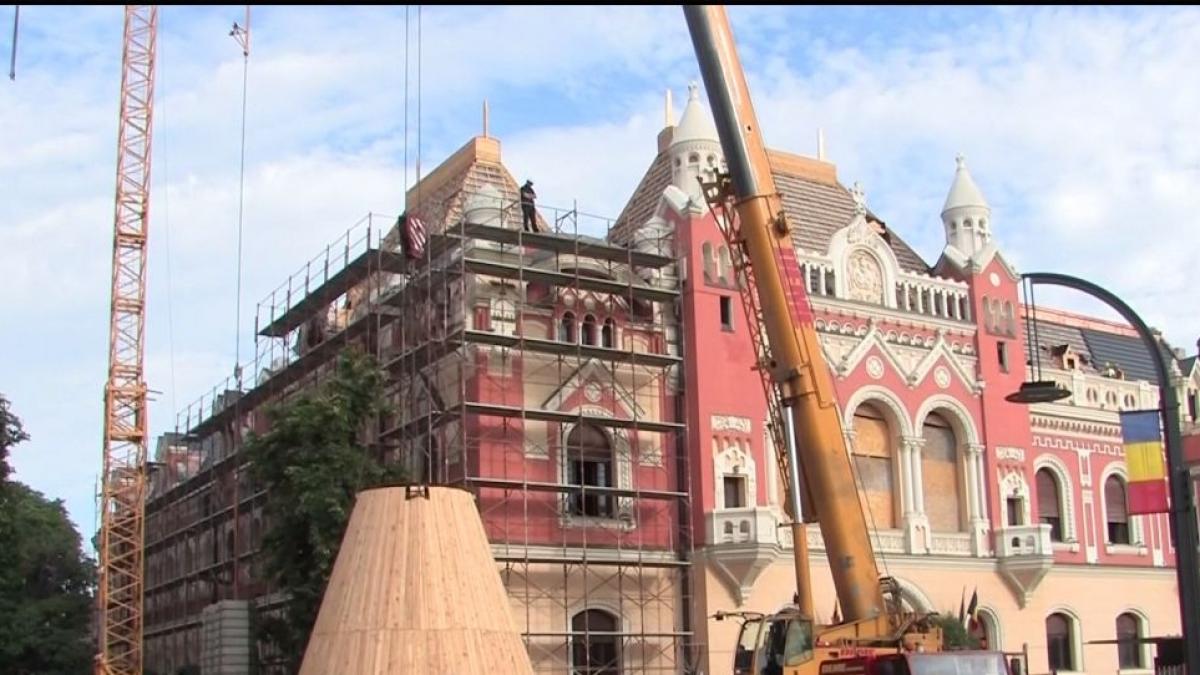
(11, 433)
(312, 463)
(954, 634)
(46, 581)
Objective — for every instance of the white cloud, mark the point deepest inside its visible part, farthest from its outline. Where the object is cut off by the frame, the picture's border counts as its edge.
(1077, 124)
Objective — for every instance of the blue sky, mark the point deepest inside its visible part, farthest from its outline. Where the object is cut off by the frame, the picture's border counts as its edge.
(1080, 125)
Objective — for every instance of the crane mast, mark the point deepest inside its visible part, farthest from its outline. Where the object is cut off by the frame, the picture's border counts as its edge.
(122, 510)
(800, 388)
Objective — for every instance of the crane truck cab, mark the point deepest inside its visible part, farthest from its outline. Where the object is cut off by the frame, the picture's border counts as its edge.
(767, 644)
(789, 643)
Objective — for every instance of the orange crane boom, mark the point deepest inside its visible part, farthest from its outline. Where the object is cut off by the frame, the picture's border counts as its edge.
(123, 509)
(877, 635)
(792, 355)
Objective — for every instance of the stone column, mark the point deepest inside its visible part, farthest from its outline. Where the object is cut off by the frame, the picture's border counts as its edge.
(916, 524)
(977, 506)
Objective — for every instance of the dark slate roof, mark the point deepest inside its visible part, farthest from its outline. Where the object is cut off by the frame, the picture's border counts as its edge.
(1098, 348)
(1051, 336)
(1126, 352)
(818, 210)
(645, 197)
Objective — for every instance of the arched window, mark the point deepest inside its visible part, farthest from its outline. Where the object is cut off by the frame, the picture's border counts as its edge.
(504, 317)
(1010, 320)
(595, 643)
(873, 451)
(1129, 651)
(608, 334)
(589, 330)
(710, 262)
(940, 475)
(983, 627)
(1049, 503)
(726, 265)
(590, 463)
(1115, 512)
(566, 328)
(1060, 642)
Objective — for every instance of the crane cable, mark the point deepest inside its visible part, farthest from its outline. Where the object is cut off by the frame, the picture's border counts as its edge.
(165, 190)
(242, 36)
(406, 33)
(12, 67)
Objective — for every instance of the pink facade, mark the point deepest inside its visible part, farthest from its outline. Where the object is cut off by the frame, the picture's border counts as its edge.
(923, 357)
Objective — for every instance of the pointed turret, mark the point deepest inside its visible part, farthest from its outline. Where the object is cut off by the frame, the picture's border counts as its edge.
(695, 148)
(966, 215)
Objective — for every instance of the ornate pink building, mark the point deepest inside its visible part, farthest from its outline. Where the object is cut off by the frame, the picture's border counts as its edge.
(597, 397)
(966, 491)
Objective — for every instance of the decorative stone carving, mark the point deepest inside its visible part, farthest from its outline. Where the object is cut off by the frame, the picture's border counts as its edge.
(866, 278)
(951, 544)
(591, 392)
(1009, 454)
(875, 367)
(941, 377)
(731, 423)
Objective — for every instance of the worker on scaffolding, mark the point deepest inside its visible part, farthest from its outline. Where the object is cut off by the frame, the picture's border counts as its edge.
(528, 213)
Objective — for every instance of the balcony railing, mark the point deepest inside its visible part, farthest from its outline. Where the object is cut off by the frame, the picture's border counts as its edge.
(749, 525)
(1024, 540)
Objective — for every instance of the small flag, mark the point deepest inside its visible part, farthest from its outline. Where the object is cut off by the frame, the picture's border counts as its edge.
(1140, 431)
(413, 240)
(962, 599)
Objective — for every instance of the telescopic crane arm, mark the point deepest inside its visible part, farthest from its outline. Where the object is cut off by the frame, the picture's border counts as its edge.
(791, 356)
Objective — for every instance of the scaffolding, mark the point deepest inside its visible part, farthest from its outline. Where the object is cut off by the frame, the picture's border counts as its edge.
(540, 370)
(205, 518)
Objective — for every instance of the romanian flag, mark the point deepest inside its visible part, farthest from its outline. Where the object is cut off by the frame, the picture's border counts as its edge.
(1141, 433)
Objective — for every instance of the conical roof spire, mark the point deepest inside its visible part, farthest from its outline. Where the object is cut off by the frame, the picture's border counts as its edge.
(963, 191)
(696, 124)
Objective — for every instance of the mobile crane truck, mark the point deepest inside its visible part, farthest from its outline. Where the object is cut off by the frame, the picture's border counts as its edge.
(876, 636)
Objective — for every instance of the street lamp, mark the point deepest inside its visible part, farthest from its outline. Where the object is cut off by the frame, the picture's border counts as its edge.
(1182, 514)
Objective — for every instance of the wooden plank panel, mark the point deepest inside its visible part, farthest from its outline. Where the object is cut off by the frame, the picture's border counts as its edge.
(415, 590)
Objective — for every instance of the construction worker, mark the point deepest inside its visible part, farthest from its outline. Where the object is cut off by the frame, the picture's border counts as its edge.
(527, 208)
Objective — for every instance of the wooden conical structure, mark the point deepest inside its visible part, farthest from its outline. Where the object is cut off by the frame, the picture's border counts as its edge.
(415, 590)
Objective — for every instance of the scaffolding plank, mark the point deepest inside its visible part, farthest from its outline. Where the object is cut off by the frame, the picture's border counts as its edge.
(540, 486)
(418, 357)
(609, 633)
(363, 325)
(343, 280)
(560, 243)
(540, 415)
(572, 348)
(581, 560)
(437, 418)
(427, 352)
(563, 279)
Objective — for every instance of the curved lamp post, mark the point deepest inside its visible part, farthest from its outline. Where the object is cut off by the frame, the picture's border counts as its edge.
(1182, 514)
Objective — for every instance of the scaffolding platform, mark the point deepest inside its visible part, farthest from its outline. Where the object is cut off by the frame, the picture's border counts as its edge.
(354, 273)
(428, 352)
(366, 326)
(548, 241)
(437, 418)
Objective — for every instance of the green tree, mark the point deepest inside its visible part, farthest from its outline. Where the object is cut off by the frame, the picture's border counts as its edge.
(954, 634)
(11, 433)
(46, 581)
(312, 462)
